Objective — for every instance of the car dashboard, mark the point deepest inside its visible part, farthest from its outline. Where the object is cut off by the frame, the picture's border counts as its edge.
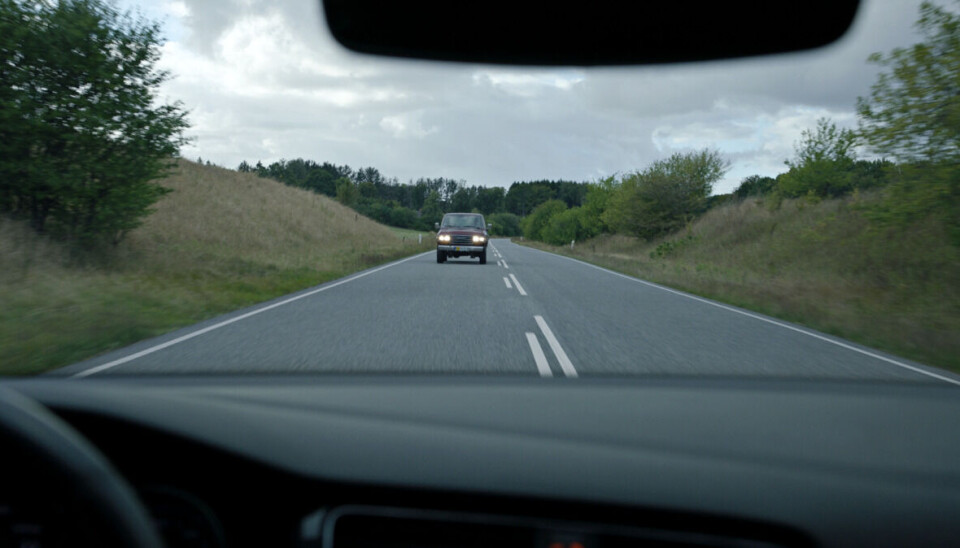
(462, 461)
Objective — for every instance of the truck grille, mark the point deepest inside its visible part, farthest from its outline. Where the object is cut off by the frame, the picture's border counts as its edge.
(462, 240)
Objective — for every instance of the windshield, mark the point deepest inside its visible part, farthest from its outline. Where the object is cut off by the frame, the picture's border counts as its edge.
(193, 187)
(462, 221)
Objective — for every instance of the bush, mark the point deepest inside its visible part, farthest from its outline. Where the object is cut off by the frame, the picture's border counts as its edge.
(563, 227)
(504, 224)
(668, 248)
(823, 165)
(911, 115)
(755, 185)
(533, 224)
(665, 196)
(82, 137)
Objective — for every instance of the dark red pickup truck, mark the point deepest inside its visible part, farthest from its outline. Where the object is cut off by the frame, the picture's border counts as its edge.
(462, 234)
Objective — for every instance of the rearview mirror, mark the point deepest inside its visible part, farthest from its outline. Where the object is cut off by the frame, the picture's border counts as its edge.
(595, 32)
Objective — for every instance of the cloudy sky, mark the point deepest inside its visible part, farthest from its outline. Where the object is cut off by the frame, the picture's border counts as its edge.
(263, 80)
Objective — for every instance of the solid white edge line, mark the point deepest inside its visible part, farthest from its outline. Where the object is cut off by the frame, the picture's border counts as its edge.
(207, 329)
(557, 349)
(761, 318)
(539, 356)
(506, 280)
(517, 284)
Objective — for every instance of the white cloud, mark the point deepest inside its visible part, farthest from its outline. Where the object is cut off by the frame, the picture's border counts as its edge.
(177, 9)
(403, 126)
(528, 83)
(264, 80)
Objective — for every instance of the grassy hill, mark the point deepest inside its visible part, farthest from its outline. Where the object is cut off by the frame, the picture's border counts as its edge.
(220, 241)
(822, 265)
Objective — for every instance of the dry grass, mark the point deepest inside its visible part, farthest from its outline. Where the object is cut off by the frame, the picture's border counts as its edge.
(219, 214)
(821, 265)
(220, 241)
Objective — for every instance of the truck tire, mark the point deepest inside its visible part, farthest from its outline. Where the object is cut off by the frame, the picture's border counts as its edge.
(483, 256)
(441, 256)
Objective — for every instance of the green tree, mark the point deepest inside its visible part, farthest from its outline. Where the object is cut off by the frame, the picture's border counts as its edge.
(913, 115)
(347, 193)
(595, 204)
(82, 136)
(823, 164)
(505, 224)
(522, 198)
(566, 226)
(913, 111)
(432, 210)
(490, 200)
(755, 185)
(533, 224)
(665, 196)
(462, 200)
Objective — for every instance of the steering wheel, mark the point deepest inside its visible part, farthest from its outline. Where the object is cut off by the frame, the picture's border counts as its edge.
(55, 463)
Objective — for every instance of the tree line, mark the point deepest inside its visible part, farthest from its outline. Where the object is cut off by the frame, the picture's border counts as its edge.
(419, 203)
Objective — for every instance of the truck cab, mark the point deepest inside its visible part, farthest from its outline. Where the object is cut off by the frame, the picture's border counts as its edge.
(462, 234)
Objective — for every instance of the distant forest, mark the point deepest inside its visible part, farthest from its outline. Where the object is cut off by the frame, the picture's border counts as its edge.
(418, 204)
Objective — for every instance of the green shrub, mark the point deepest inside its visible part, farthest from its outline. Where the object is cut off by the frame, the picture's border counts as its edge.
(563, 227)
(504, 224)
(665, 196)
(539, 218)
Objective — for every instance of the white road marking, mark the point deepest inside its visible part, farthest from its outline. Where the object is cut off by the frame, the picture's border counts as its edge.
(498, 263)
(762, 319)
(507, 281)
(538, 355)
(516, 283)
(557, 349)
(188, 336)
(504, 264)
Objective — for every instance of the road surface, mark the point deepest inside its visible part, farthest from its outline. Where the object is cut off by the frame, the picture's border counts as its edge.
(526, 312)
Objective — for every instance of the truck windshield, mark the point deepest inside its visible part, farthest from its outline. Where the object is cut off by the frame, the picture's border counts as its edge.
(462, 221)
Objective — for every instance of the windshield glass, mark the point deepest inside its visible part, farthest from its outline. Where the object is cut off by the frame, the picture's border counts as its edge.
(193, 187)
(462, 221)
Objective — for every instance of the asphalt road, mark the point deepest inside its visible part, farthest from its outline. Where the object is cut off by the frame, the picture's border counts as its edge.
(525, 312)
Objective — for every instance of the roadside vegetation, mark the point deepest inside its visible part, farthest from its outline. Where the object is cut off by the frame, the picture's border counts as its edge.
(859, 237)
(824, 265)
(105, 237)
(221, 240)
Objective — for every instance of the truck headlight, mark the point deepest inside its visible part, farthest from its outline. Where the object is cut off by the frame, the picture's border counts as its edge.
(445, 238)
(478, 239)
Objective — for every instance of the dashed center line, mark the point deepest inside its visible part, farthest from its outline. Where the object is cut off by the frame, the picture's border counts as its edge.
(519, 287)
(538, 355)
(565, 364)
(504, 264)
(507, 281)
